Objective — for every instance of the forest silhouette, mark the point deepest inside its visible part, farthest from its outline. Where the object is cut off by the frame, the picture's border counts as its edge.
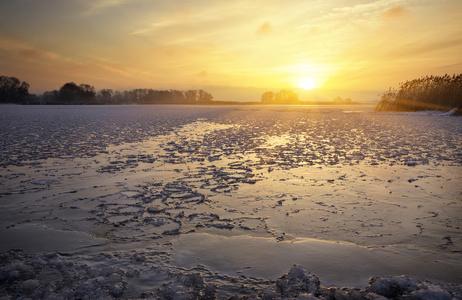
(442, 93)
(12, 90)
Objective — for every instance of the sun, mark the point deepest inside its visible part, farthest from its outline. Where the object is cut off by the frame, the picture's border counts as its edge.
(306, 83)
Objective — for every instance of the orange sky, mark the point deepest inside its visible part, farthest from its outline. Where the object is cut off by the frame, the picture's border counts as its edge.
(234, 49)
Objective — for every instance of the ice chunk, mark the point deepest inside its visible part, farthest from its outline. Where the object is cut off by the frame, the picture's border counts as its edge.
(392, 287)
(298, 282)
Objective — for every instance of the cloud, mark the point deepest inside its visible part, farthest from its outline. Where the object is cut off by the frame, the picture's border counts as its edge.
(444, 47)
(96, 6)
(264, 29)
(16, 48)
(202, 74)
(48, 69)
(394, 12)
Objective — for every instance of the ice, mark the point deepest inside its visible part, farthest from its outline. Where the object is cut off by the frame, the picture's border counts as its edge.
(392, 287)
(298, 281)
(34, 237)
(402, 286)
(44, 181)
(22, 276)
(190, 286)
(199, 201)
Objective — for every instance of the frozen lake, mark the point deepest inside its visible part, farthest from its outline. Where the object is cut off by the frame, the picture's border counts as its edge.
(128, 201)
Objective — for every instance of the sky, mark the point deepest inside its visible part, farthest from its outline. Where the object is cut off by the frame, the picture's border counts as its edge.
(235, 49)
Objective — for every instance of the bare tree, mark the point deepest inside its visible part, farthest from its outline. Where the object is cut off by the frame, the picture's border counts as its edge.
(12, 90)
(267, 97)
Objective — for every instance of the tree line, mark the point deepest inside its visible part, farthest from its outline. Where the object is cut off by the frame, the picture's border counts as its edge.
(290, 97)
(426, 93)
(12, 90)
(281, 97)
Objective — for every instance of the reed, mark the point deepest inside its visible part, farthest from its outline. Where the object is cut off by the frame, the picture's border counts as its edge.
(442, 93)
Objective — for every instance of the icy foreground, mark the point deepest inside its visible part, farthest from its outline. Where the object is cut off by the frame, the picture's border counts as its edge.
(203, 202)
(20, 277)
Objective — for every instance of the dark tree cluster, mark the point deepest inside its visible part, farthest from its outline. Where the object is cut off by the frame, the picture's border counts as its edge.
(14, 91)
(150, 96)
(76, 94)
(70, 93)
(281, 97)
(442, 93)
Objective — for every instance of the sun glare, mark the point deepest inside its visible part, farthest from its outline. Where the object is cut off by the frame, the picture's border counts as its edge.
(306, 83)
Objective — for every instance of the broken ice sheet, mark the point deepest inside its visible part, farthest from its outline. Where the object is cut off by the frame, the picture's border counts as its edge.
(332, 187)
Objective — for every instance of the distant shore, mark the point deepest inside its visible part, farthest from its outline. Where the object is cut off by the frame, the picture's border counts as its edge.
(215, 102)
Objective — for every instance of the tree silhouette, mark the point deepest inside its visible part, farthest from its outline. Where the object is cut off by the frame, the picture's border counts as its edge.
(286, 97)
(87, 92)
(49, 97)
(191, 95)
(69, 92)
(104, 96)
(76, 94)
(281, 97)
(267, 97)
(205, 96)
(12, 90)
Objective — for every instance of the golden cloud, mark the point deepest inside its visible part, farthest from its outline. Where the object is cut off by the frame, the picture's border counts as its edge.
(394, 12)
(264, 29)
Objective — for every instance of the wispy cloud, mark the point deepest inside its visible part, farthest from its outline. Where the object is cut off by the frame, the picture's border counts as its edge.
(97, 6)
(52, 68)
(394, 12)
(15, 48)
